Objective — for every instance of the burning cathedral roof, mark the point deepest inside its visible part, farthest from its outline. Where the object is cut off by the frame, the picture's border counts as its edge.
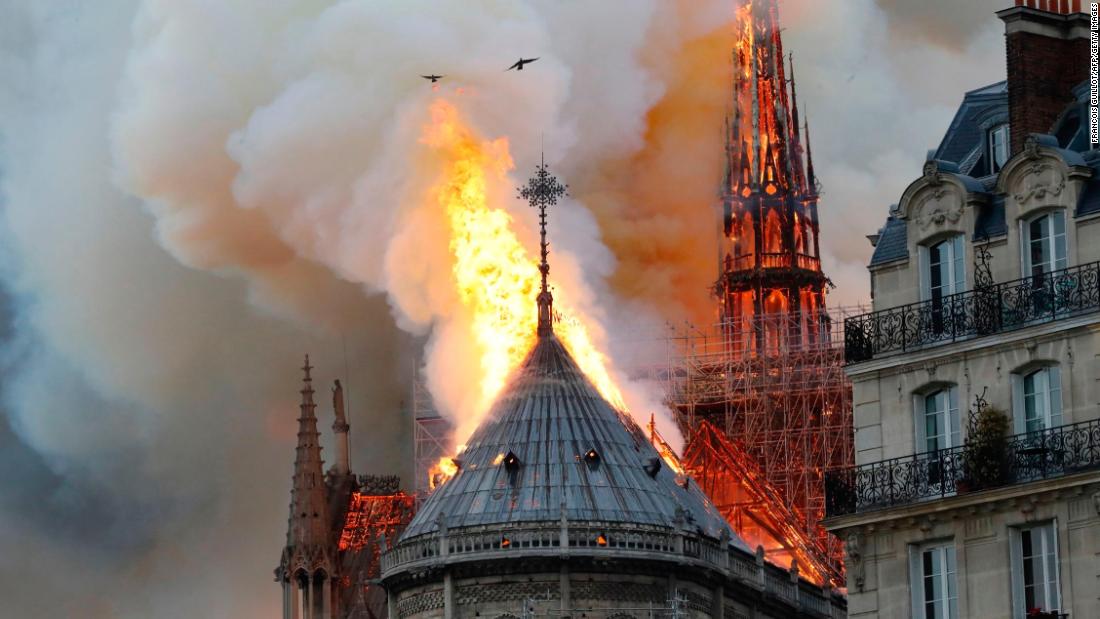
(552, 447)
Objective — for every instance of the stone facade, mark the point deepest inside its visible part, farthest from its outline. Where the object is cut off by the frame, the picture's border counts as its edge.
(913, 518)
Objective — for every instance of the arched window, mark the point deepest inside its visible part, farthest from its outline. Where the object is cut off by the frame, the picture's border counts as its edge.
(773, 234)
(809, 238)
(799, 238)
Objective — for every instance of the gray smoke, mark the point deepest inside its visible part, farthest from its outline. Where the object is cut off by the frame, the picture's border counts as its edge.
(196, 193)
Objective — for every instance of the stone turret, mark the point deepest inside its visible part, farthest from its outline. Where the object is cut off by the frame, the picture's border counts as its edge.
(308, 559)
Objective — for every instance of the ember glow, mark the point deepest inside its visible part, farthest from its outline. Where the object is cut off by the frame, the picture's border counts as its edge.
(443, 470)
(496, 278)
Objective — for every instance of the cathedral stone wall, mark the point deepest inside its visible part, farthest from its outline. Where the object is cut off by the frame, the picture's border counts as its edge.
(593, 595)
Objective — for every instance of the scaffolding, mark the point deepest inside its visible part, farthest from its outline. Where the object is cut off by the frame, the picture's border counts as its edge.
(784, 408)
(431, 439)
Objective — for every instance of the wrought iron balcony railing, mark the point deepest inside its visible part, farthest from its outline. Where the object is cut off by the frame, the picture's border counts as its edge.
(993, 309)
(1041, 454)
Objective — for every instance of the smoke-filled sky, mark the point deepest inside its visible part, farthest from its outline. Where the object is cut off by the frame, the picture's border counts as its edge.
(194, 193)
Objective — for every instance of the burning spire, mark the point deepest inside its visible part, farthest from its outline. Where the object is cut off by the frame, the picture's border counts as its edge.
(763, 139)
(543, 190)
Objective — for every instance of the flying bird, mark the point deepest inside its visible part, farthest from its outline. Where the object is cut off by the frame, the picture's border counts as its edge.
(519, 63)
(433, 78)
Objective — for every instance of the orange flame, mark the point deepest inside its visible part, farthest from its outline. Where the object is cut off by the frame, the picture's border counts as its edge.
(495, 277)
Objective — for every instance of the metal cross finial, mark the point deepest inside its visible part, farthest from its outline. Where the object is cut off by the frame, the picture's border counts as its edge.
(543, 190)
(306, 368)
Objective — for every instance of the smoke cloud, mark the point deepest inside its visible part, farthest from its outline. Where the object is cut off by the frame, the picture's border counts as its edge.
(195, 193)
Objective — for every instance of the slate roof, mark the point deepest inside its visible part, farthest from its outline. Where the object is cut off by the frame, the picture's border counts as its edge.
(962, 154)
(990, 222)
(549, 416)
(892, 243)
(964, 142)
(1090, 196)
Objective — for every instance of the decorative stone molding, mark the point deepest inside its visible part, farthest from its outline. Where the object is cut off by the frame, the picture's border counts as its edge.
(853, 547)
(938, 209)
(1041, 182)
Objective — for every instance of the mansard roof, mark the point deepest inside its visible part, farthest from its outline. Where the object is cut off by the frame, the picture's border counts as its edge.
(964, 142)
(553, 446)
(962, 154)
(892, 243)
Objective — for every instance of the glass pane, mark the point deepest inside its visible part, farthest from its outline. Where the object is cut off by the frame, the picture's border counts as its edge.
(934, 406)
(1039, 245)
(1059, 221)
(936, 269)
(958, 278)
(1032, 415)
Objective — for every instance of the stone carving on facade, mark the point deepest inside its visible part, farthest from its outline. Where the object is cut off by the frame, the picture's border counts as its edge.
(1040, 181)
(939, 209)
(932, 174)
(855, 559)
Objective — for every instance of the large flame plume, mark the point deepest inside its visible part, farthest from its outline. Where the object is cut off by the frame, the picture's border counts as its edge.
(495, 277)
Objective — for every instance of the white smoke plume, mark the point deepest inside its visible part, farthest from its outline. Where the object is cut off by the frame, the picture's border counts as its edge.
(197, 192)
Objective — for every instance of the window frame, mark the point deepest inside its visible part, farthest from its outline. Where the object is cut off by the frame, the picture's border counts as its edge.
(1053, 406)
(1054, 262)
(1053, 563)
(956, 244)
(948, 562)
(952, 424)
(992, 144)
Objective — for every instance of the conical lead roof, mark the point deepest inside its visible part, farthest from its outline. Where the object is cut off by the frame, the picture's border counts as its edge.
(552, 443)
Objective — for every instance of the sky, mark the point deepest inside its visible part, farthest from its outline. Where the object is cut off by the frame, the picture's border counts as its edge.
(194, 194)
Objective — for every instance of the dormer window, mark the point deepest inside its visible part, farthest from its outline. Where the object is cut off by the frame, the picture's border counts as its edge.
(998, 147)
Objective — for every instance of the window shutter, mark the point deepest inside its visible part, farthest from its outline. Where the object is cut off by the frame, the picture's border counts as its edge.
(1054, 384)
(920, 441)
(952, 421)
(1017, 572)
(1019, 415)
(925, 275)
(957, 254)
(1058, 240)
(916, 581)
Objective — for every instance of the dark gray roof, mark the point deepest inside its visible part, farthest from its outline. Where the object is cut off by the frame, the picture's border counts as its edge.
(990, 221)
(964, 142)
(550, 415)
(1090, 196)
(892, 242)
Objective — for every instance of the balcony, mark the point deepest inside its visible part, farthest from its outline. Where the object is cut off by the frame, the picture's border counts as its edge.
(995, 309)
(746, 262)
(1043, 454)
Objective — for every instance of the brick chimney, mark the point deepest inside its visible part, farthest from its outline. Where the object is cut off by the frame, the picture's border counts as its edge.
(1047, 52)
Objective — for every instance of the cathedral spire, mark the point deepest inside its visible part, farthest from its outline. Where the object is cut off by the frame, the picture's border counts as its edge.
(768, 262)
(308, 516)
(544, 190)
(307, 565)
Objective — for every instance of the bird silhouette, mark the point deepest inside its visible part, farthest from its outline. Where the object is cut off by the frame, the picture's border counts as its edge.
(519, 63)
(433, 78)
